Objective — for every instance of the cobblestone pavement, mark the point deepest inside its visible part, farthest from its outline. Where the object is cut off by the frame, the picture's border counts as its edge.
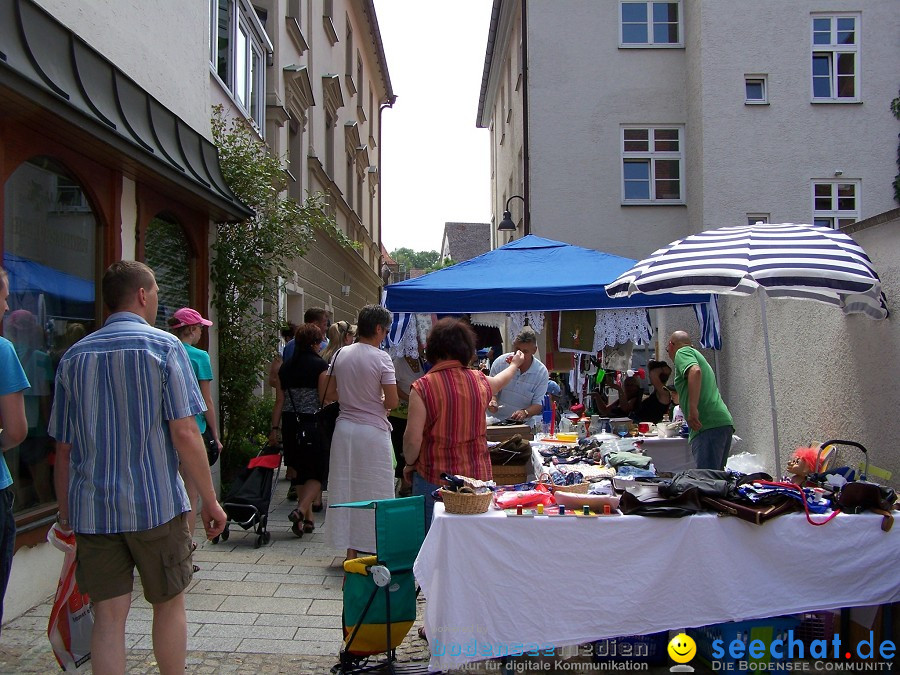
(276, 609)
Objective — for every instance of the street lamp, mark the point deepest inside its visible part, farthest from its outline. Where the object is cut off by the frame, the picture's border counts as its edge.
(507, 225)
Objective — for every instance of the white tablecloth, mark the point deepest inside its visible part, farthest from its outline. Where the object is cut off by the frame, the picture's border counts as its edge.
(607, 577)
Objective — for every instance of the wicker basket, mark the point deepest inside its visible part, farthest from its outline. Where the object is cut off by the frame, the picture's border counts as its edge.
(578, 488)
(465, 501)
(506, 474)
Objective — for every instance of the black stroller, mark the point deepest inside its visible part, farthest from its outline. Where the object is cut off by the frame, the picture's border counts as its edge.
(247, 503)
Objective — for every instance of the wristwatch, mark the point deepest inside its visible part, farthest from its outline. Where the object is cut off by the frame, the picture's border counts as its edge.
(62, 521)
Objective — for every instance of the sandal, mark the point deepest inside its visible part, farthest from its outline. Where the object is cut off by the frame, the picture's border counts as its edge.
(196, 568)
(297, 529)
(317, 508)
(295, 516)
(422, 635)
(308, 526)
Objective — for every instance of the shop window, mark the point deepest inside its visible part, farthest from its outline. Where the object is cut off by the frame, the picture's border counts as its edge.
(168, 254)
(50, 255)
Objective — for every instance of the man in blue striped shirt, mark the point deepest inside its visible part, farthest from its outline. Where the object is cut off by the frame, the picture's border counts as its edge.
(123, 417)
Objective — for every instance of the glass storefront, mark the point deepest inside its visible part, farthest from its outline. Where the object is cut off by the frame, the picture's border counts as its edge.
(167, 253)
(50, 255)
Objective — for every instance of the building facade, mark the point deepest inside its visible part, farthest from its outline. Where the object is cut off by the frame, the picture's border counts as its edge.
(105, 154)
(627, 124)
(325, 86)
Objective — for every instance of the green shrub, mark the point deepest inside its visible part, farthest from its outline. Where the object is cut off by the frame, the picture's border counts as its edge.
(247, 445)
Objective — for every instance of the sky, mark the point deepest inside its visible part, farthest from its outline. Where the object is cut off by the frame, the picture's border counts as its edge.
(435, 166)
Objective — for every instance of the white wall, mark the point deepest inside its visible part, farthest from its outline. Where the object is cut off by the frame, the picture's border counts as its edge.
(581, 89)
(835, 376)
(161, 45)
(762, 158)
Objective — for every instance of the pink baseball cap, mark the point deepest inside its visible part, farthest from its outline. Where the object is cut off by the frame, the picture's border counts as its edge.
(189, 317)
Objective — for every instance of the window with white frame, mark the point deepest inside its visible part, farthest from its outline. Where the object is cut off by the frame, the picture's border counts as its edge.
(650, 24)
(754, 218)
(835, 58)
(652, 165)
(237, 49)
(756, 90)
(835, 203)
(329, 145)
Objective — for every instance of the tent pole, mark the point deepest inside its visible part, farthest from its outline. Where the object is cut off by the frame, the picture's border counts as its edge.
(765, 328)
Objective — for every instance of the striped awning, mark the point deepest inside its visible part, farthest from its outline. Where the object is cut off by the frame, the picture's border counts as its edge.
(786, 260)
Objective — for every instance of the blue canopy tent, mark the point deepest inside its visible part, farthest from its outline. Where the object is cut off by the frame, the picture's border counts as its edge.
(527, 274)
(32, 284)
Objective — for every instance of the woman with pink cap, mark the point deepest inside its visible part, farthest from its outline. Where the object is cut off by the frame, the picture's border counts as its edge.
(187, 325)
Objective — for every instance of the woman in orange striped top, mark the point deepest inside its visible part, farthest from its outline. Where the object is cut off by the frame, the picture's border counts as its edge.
(446, 429)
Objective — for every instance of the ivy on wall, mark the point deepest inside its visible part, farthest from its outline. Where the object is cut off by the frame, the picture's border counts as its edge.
(248, 259)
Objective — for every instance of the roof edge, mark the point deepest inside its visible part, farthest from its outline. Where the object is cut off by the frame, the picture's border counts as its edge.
(488, 63)
(369, 9)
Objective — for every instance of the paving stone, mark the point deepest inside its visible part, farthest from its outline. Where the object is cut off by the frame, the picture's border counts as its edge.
(230, 617)
(290, 647)
(228, 588)
(299, 620)
(289, 558)
(140, 613)
(257, 568)
(201, 600)
(265, 605)
(333, 635)
(213, 644)
(334, 582)
(314, 591)
(252, 577)
(136, 627)
(328, 607)
(42, 609)
(217, 554)
(21, 637)
(242, 631)
(206, 575)
(27, 622)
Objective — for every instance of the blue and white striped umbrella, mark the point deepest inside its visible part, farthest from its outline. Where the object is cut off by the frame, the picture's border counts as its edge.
(787, 260)
(781, 261)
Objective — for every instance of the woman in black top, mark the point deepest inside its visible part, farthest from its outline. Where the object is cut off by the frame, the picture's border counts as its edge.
(657, 403)
(302, 380)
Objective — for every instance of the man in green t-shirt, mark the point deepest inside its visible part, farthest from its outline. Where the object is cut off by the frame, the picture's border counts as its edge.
(698, 394)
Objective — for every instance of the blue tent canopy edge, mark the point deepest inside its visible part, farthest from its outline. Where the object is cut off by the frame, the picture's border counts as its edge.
(527, 274)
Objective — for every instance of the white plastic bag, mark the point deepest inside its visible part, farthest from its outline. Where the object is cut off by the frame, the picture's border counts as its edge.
(745, 462)
(72, 617)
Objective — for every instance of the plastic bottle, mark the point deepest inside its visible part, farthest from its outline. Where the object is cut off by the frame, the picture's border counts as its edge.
(546, 414)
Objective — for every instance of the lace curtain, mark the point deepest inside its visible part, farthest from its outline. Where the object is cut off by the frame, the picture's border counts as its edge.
(618, 326)
(517, 322)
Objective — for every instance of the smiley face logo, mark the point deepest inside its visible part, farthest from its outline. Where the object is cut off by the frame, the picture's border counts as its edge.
(682, 648)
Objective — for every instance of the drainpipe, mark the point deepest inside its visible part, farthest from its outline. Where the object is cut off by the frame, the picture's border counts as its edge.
(526, 227)
(387, 103)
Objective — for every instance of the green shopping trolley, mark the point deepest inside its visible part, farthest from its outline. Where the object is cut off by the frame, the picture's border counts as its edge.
(380, 590)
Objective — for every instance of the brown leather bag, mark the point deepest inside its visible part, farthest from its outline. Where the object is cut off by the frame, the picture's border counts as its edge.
(752, 513)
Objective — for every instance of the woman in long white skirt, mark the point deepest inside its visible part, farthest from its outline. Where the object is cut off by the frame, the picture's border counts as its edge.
(361, 467)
